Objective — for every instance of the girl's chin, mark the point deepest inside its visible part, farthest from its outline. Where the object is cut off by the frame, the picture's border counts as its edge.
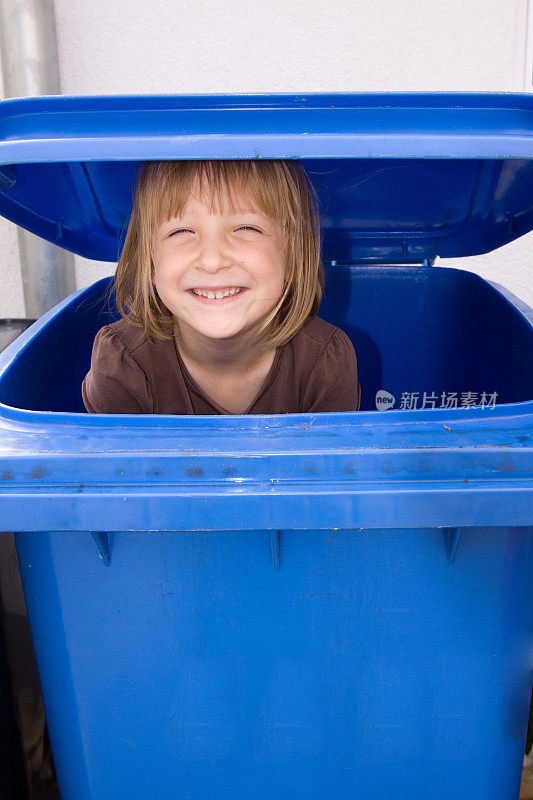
(214, 332)
(224, 335)
(217, 329)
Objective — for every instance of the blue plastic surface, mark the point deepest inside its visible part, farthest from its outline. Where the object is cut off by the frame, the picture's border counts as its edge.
(401, 178)
(294, 606)
(368, 665)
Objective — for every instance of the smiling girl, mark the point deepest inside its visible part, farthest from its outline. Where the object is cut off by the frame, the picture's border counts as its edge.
(218, 287)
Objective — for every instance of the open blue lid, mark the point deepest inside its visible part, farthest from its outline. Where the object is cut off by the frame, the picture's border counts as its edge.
(401, 178)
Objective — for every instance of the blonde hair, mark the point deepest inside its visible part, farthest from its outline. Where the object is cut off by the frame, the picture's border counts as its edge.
(280, 189)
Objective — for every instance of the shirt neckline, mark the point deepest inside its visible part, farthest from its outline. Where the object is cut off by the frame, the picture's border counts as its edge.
(200, 393)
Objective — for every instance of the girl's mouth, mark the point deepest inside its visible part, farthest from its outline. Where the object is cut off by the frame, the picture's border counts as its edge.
(217, 295)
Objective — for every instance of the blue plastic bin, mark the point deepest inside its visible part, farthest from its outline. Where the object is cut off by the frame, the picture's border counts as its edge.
(286, 606)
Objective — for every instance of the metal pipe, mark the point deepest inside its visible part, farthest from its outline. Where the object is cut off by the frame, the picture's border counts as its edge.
(28, 50)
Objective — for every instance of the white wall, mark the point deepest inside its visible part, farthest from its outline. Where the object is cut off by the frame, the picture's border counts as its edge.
(173, 46)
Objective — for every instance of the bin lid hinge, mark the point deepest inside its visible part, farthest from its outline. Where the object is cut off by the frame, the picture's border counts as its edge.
(102, 543)
(275, 547)
(452, 542)
(8, 177)
(424, 262)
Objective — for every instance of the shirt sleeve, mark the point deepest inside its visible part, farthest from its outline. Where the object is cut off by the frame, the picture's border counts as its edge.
(333, 384)
(115, 383)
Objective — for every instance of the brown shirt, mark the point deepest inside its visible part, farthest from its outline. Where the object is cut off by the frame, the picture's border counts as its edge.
(315, 371)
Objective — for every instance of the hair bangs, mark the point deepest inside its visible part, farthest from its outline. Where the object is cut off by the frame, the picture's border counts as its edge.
(231, 186)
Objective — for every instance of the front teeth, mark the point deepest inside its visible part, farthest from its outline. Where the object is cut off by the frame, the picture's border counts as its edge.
(216, 295)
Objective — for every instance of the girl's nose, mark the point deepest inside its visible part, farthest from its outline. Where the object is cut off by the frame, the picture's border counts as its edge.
(213, 255)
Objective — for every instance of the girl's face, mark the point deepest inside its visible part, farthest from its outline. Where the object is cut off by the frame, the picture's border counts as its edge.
(219, 273)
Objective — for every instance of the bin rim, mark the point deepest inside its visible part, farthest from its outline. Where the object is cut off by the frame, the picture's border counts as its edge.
(360, 470)
(505, 411)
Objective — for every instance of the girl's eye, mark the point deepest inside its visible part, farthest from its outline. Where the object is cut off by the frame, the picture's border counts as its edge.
(248, 228)
(180, 230)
